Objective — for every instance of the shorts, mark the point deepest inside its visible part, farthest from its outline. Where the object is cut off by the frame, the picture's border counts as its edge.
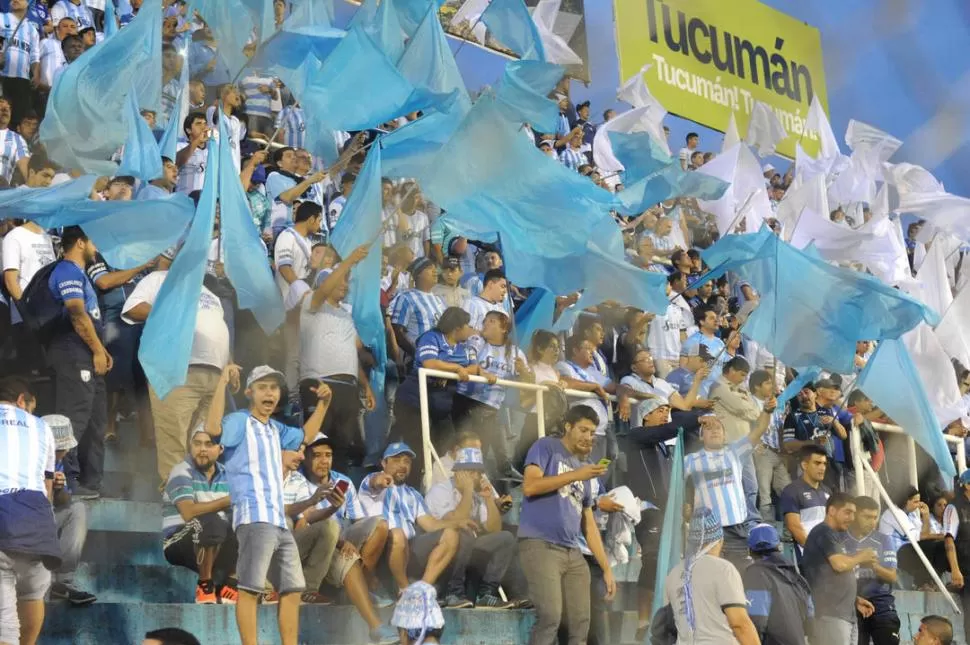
(22, 578)
(340, 566)
(359, 532)
(268, 552)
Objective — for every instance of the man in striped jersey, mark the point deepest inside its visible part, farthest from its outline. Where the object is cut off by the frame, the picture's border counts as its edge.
(254, 442)
(292, 126)
(29, 550)
(386, 494)
(259, 92)
(21, 58)
(14, 152)
(572, 156)
(416, 310)
(196, 530)
(714, 477)
(52, 54)
(76, 9)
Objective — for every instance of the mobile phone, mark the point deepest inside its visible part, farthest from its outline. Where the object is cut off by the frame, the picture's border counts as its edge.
(605, 463)
(342, 486)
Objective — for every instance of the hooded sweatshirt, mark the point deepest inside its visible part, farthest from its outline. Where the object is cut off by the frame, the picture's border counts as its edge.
(779, 600)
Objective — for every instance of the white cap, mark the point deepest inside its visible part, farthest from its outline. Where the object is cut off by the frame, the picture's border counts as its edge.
(264, 371)
(769, 168)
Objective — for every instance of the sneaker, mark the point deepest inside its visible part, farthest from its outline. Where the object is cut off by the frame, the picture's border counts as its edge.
(271, 598)
(525, 603)
(384, 635)
(85, 493)
(314, 598)
(205, 593)
(76, 597)
(488, 598)
(454, 601)
(380, 600)
(228, 595)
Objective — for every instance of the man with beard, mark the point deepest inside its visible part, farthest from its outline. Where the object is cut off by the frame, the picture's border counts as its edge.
(254, 442)
(386, 494)
(556, 512)
(195, 521)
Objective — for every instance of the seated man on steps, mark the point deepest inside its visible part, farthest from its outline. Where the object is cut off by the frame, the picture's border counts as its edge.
(71, 517)
(385, 494)
(325, 557)
(197, 532)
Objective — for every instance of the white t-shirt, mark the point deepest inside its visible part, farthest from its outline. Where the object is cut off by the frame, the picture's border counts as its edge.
(26, 252)
(663, 334)
(328, 341)
(419, 231)
(192, 174)
(237, 132)
(210, 343)
(292, 250)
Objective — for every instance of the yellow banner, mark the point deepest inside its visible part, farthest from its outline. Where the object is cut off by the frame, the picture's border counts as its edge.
(713, 57)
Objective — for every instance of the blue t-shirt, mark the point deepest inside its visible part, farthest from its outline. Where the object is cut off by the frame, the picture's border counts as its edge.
(432, 345)
(839, 449)
(806, 502)
(879, 593)
(555, 517)
(69, 282)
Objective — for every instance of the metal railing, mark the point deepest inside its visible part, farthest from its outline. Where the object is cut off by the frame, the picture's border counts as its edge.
(912, 470)
(431, 455)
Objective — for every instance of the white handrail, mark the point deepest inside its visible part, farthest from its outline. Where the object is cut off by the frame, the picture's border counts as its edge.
(911, 449)
(431, 456)
(902, 521)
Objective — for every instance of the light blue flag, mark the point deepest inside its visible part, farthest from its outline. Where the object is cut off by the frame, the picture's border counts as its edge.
(668, 182)
(544, 213)
(168, 146)
(383, 24)
(537, 312)
(129, 233)
(805, 376)
(638, 153)
(604, 278)
(890, 379)
(412, 12)
(524, 94)
(307, 31)
(167, 338)
(356, 68)
(234, 23)
(50, 202)
(409, 150)
(360, 223)
(812, 313)
(75, 130)
(110, 20)
(428, 63)
(671, 548)
(509, 23)
(141, 157)
(244, 251)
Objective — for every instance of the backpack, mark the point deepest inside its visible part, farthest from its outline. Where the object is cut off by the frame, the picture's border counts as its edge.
(41, 311)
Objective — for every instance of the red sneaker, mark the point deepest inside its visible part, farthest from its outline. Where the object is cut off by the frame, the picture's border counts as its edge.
(313, 598)
(228, 595)
(205, 593)
(271, 598)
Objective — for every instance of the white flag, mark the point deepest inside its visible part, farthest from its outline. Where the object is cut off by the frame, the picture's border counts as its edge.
(942, 211)
(765, 130)
(731, 136)
(555, 46)
(953, 332)
(935, 370)
(818, 122)
(739, 167)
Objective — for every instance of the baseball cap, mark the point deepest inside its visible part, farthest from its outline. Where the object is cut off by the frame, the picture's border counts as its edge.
(965, 477)
(451, 262)
(763, 537)
(264, 371)
(469, 459)
(649, 405)
(62, 430)
(826, 383)
(319, 440)
(398, 448)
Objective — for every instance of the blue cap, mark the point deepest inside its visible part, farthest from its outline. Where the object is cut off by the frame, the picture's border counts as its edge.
(763, 537)
(965, 477)
(469, 459)
(398, 448)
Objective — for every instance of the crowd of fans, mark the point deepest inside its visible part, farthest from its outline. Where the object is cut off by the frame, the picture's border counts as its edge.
(310, 489)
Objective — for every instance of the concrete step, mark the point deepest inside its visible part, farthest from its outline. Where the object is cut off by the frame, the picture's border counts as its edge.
(123, 515)
(137, 583)
(103, 623)
(127, 547)
(133, 487)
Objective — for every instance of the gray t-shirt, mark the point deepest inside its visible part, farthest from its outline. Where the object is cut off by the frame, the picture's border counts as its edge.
(834, 593)
(716, 585)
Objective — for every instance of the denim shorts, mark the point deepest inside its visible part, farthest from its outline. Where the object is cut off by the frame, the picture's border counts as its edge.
(268, 552)
(21, 579)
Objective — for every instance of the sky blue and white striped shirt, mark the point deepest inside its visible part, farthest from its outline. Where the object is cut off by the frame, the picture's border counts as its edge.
(716, 476)
(572, 159)
(170, 97)
(13, 148)
(254, 467)
(257, 102)
(298, 489)
(26, 451)
(79, 12)
(21, 46)
(51, 58)
(417, 311)
(293, 125)
(400, 505)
